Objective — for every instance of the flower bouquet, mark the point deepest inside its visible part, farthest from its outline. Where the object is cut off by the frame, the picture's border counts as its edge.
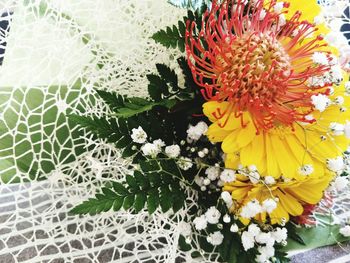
(248, 135)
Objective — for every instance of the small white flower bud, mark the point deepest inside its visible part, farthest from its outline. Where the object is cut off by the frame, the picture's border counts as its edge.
(227, 218)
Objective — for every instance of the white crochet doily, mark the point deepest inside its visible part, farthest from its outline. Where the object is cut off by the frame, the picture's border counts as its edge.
(46, 164)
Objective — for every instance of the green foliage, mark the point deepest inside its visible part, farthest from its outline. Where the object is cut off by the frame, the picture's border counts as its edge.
(189, 82)
(229, 249)
(153, 188)
(165, 85)
(174, 36)
(326, 235)
(281, 257)
(125, 107)
(293, 235)
(115, 131)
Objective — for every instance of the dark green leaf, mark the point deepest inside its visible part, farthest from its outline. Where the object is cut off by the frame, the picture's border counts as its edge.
(141, 179)
(93, 206)
(140, 200)
(157, 86)
(128, 151)
(149, 166)
(165, 198)
(178, 197)
(170, 167)
(120, 189)
(155, 179)
(132, 182)
(183, 245)
(123, 142)
(195, 254)
(104, 129)
(118, 202)
(152, 201)
(128, 201)
(113, 100)
(108, 193)
(169, 75)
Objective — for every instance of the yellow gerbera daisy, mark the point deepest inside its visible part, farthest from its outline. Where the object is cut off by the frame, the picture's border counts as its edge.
(270, 78)
(290, 196)
(280, 151)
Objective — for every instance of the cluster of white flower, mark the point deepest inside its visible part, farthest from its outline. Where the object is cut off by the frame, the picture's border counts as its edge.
(203, 153)
(150, 149)
(153, 149)
(252, 208)
(338, 129)
(334, 75)
(211, 216)
(345, 231)
(212, 173)
(138, 135)
(227, 198)
(200, 222)
(320, 101)
(184, 163)
(253, 174)
(269, 205)
(340, 183)
(264, 240)
(269, 180)
(320, 58)
(306, 169)
(215, 178)
(172, 151)
(159, 143)
(215, 238)
(228, 176)
(336, 165)
(195, 132)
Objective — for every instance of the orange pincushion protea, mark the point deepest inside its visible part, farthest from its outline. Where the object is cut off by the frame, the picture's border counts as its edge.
(251, 57)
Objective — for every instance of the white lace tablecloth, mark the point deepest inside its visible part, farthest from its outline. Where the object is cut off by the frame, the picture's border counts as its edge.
(46, 53)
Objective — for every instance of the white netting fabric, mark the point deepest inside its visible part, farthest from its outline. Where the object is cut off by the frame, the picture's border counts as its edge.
(49, 69)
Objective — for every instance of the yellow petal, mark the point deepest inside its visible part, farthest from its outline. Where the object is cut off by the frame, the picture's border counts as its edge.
(271, 167)
(211, 107)
(298, 149)
(309, 9)
(285, 159)
(232, 161)
(230, 143)
(289, 203)
(278, 213)
(216, 134)
(246, 136)
(310, 191)
(240, 193)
